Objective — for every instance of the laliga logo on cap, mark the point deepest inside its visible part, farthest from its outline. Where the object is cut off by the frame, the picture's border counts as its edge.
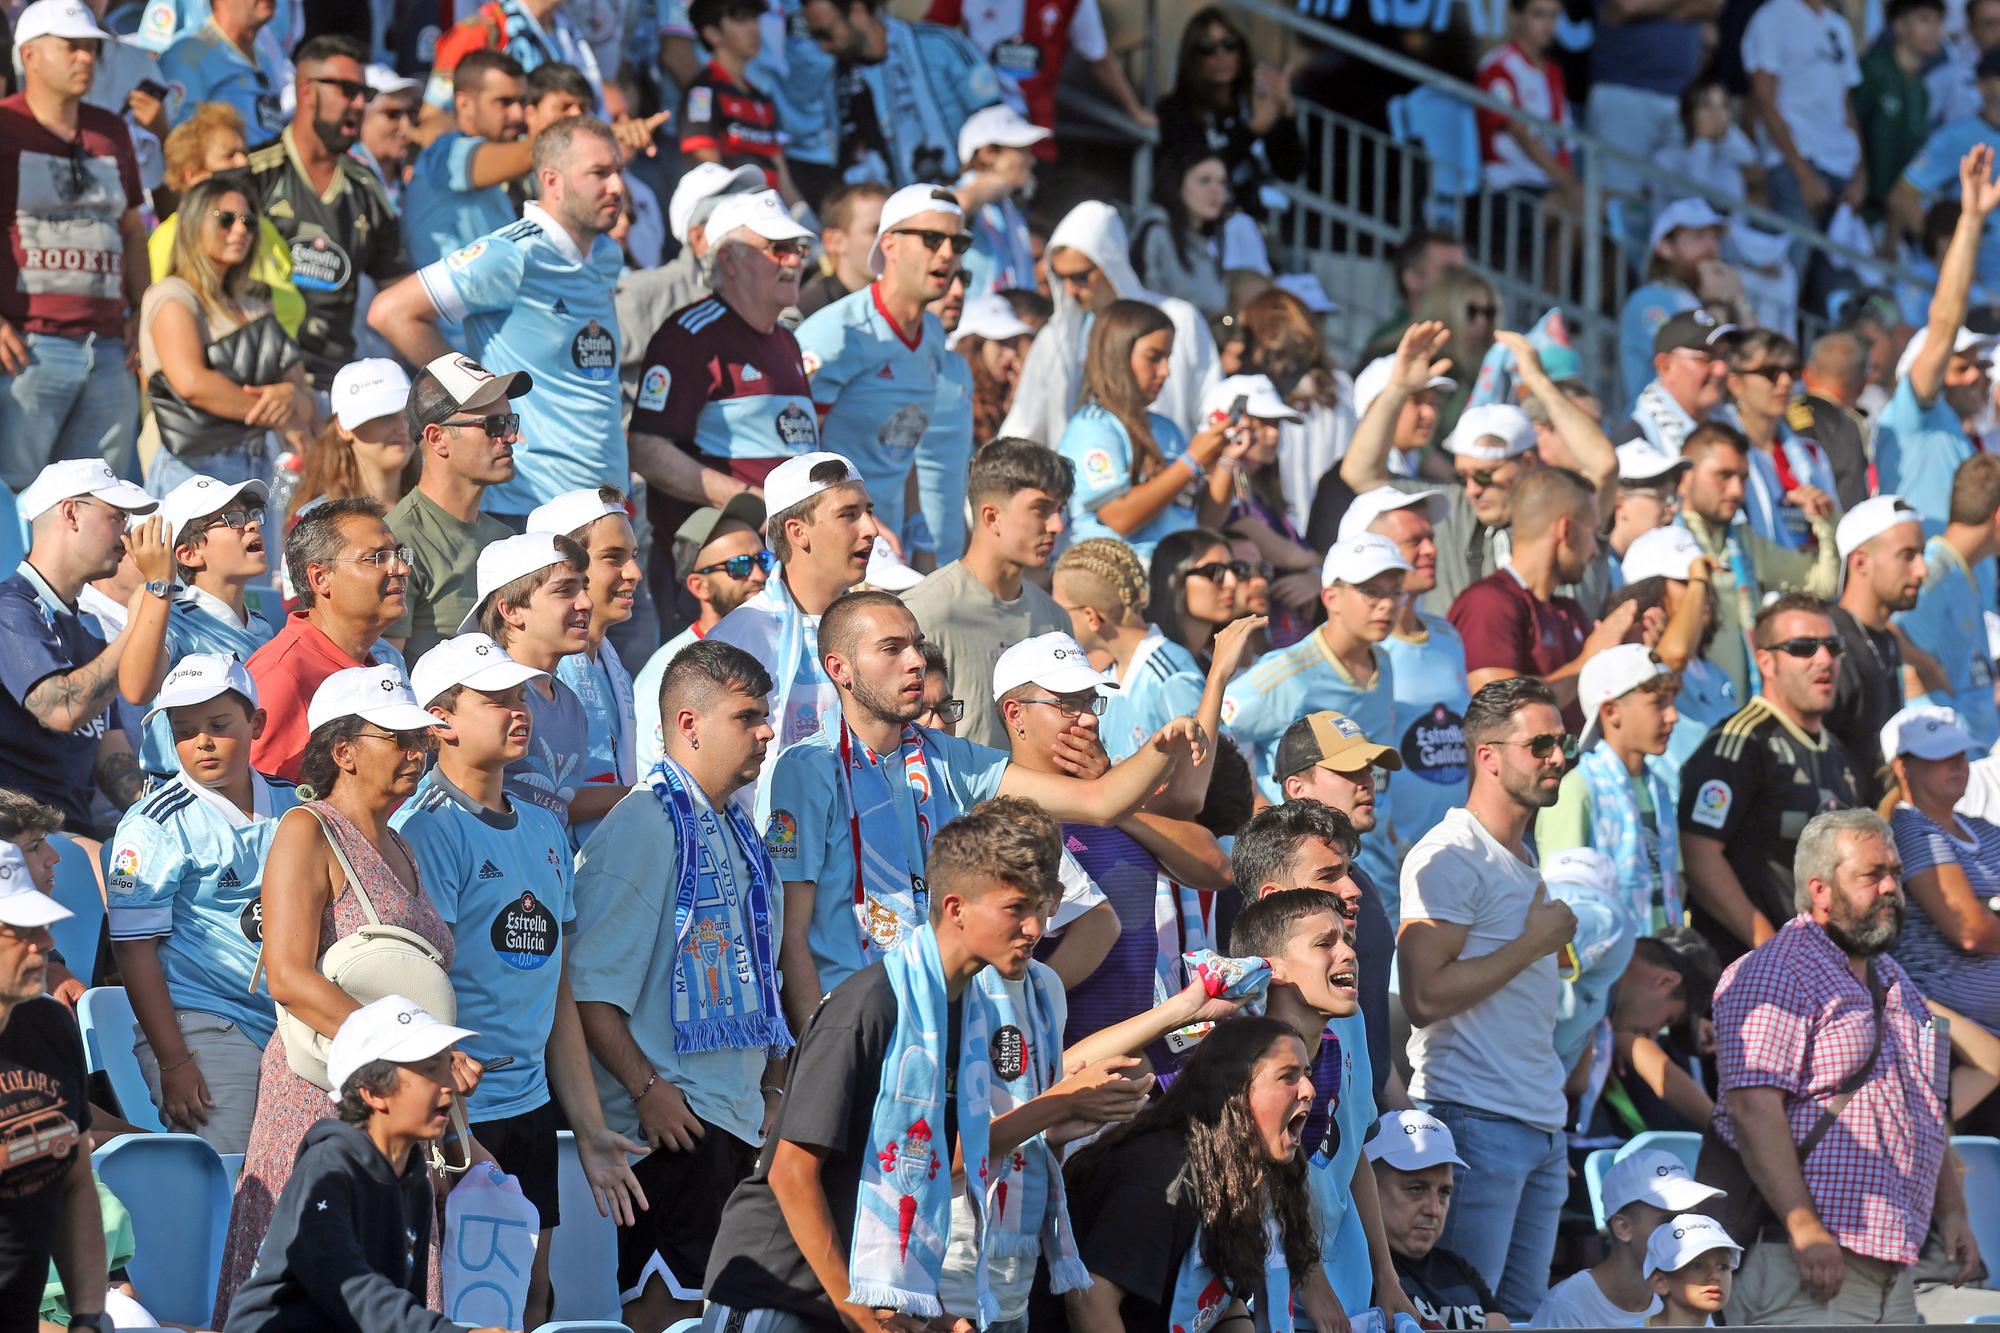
(1061, 654)
(1663, 1171)
(480, 650)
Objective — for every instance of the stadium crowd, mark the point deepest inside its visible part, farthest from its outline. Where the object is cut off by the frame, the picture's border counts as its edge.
(606, 573)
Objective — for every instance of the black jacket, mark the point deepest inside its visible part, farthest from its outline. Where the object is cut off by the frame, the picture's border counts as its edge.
(349, 1246)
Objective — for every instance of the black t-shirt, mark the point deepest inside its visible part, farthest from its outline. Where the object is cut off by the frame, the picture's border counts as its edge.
(1867, 693)
(44, 1115)
(1447, 1291)
(861, 136)
(1753, 784)
(1126, 1230)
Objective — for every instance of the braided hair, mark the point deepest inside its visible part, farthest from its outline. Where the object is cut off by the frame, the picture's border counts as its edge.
(1112, 575)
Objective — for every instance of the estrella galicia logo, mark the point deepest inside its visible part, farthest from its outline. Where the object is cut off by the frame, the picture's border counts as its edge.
(594, 352)
(251, 922)
(524, 934)
(1434, 747)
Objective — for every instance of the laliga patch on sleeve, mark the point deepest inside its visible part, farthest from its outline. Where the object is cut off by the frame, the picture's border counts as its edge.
(781, 837)
(701, 104)
(1711, 804)
(458, 260)
(1097, 465)
(125, 867)
(811, 362)
(653, 386)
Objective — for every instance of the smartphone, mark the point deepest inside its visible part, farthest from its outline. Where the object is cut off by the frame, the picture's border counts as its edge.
(497, 1062)
(1238, 408)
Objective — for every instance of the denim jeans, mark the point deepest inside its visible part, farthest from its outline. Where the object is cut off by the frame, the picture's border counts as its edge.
(1504, 1209)
(240, 462)
(75, 399)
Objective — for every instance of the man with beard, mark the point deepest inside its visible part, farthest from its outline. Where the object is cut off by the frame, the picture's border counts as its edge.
(536, 295)
(1477, 964)
(1821, 1022)
(1881, 544)
(1750, 789)
(458, 187)
(1690, 378)
(328, 205)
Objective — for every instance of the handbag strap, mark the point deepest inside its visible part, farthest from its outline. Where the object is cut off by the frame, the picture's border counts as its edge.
(353, 884)
(1852, 1084)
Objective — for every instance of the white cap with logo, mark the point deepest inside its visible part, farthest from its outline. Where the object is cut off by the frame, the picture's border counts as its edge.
(906, 203)
(791, 482)
(1612, 674)
(22, 905)
(1639, 462)
(1360, 558)
(1372, 504)
(1652, 1176)
(377, 694)
(887, 571)
(1663, 553)
(1679, 1241)
(385, 80)
(1054, 661)
(1491, 432)
(990, 317)
(367, 389)
(998, 126)
(472, 660)
(1374, 378)
(392, 1028)
(1870, 519)
(200, 496)
(73, 477)
(1926, 731)
(501, 562)
(762, 211)
(572, 510)
(1412, 1141)
(475, 388)
(199, 677)
(1261, 399)
(58, 18)
(699, 184)
(1584, 867)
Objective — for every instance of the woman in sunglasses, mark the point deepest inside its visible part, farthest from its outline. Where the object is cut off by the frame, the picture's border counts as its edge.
(1791, 479)
(1468, 307)
(1223, 98)
(1196, 586)
(369, 746)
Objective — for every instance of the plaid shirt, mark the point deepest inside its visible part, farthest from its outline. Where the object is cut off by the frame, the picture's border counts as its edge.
(1790, 1015)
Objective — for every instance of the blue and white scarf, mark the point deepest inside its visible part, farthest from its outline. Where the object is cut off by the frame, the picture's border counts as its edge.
(890, 897)
(725, 994)
(1617, 831)
(1663, 421)
(1027, 1210)
(1764, 497)
(1201, 1297)
(902, 1212)
(1747, 591)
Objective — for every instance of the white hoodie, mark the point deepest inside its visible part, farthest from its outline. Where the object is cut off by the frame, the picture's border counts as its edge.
(1052, 378)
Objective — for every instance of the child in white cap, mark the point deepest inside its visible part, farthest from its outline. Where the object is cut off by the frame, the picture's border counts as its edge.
(1640, 1191)
(1691, 1264)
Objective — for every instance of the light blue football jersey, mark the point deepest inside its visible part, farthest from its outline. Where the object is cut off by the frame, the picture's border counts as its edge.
(944, 457)
(203, 66)
(442, 210)
(197, 622)
(187, 869)
(549, 774)
(1099, 448)
(1948, 623)
(1162, 682)
(529, 301)
(1431, 698)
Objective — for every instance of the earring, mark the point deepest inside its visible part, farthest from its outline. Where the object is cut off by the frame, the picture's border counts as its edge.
(694, 742)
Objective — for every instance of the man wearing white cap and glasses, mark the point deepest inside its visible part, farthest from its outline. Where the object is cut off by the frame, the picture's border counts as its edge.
(52, 1200)
(1881, 547)
(1416, 418)
(997, 177)
(1641, 1190)
(1413, 1157)
(387, 142)
(646, 297)
(874, 356)
(67, 330)
(1948, 623)
(57, 677)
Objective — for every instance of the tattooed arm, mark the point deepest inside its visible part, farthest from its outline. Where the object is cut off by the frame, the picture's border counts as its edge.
(117, 770)
(71, 700)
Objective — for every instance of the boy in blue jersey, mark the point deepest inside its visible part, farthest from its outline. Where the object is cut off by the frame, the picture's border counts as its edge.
(498, 871)
(536, 294)
(534, 601)
(458, 184)
(1947, 623)
(183, 900)
(596, 520)
(874, 356)
(216, 532)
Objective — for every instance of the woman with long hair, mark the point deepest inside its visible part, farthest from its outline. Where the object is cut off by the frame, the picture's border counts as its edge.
(208, 142)
(1133, 466)
(1224, 102)
(1282, 340)
(1195, 585)
(206, 294)
(994, 340)
(1197, 1207)
(1468, 307)
(361, 451)
(1193, 236)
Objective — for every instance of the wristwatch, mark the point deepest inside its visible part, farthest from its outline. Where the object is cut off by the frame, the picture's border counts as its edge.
(96, 1323)
(162, 587)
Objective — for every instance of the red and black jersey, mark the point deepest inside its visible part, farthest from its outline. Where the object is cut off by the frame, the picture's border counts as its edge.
(731, 119)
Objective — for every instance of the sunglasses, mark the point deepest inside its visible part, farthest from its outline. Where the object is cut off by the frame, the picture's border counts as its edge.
(1075, 705)
(236, 520)
(1806, 647)
(1774, 373)
(1483, 478)
(739, 566)
(785, 249)
(410, 742)
(959, 241)
(1216, 570)
(1080, 278)
(1548, 743)
(348, 88)
(229, 220)
(1482, 311)
(1209, 46)
(501, 425)
(951, 710)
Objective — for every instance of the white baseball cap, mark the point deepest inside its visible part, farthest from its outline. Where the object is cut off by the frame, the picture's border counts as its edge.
(887, 571)
(377, 694)
(1662, 553)
(905, 204)
(1639, 462)
(22, 905)
(762, 211)
(1584, 867)
(699, 184)
(1611, 674)
(58, 18)
(73, 477)
(1694, 213)
(1926, 731)
(1655, 1177)
(469, 659)
(200, 496)
(199, 677)
(1054, 661)
(501, 562)
(392, 1028)
(1359, 559)
(571, 510)
(791, 482)
(999, 126)
(385, 80)
(475, 388)
(1679, 1241)
(1965, 341)
(1374, 378)
(1489, 422)
(1412, 1141)
(990, 317)
(1264, 402)
(1372, 504)
(1869, 520)
(366, 389)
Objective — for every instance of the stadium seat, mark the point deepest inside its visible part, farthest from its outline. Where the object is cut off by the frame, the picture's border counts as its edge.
(1593, 1181)
(178, 1194)
(76, 889)
(105, 1015)
(1446, 130)
(13, 532)
(603, 1326)
(1681, 1143)
(1981, 1156)
(583, 1254)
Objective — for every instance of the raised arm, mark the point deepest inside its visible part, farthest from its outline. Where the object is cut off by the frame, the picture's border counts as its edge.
(1366, 463)
(1978, 195)
(1116, 794)
(1586, 441)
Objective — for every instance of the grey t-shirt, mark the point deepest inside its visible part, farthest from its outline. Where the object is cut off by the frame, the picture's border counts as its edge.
(444, 556)
(962, 616)
(552, 769)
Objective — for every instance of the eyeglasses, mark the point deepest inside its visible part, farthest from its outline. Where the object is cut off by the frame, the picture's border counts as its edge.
(1548, 743)
(409, 742)
(1209, 46)
(951, 710)
(1081, 278)
(382, 559)
(784, 249)
(1773, 373)
(349, 89)
(739, 566)
(1217, 570)
(236, 520)
(1805, 646)
(1485, 477)
(959, 241)
(229, 220)
(1480, 310)
(501, 425)
(1075, 705)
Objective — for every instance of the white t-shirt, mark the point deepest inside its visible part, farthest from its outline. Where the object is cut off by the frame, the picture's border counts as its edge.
(1578, 1302)
(1811, 51)
(1500, 1054)
(1982, 791)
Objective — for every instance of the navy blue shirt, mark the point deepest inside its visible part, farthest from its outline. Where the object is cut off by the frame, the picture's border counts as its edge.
(41, 636)
(1657, 55)
(1122, 985)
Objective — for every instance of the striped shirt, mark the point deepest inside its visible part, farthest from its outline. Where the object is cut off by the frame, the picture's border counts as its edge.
(1967, 982)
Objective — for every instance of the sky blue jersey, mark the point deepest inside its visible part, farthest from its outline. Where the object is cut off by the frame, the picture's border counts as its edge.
(1947, 623)
(1431, 697)
(944, 456)
(1099, 447)
(198, 622)
(1160, 683)
(203, 66)
(442, 210)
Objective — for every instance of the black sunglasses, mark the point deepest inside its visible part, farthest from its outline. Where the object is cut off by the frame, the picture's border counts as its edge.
(501, 425)
(1774, 372)
(227, 219)
(960, 241)
(1482, 311)
(1209, 46)
(1080, 278)
(739, 566)
(1214, 570)
(348, 88)
(1548, 743)
(1805, 646)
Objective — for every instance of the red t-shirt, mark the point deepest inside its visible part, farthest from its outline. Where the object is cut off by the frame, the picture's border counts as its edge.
(287, 671)
(63, 272)
(1505, 627)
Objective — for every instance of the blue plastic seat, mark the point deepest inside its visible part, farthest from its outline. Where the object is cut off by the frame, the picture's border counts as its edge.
(1448, 132)
(178, 1194)
(1593, 1181)
(76, 889)
(1981, 1156)
(105, 1015)
(583, 1253)
(1681, 1143)
(605, 1326)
